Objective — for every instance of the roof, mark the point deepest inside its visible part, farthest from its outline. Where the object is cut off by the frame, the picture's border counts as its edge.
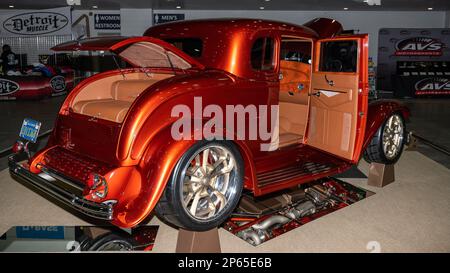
(228, 24)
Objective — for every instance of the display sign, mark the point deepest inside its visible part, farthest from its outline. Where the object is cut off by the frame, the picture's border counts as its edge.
(398, 45)
(40, 232)
(160, 18)
(58, 83)
(433, 86)
(419, 46)
(107, 21)
(8, 87)
(32, 23)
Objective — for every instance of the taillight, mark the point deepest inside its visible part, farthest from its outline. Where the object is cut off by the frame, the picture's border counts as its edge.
(97, 185)
(18, 147)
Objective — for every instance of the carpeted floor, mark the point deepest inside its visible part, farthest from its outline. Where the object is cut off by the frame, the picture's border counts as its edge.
(410, 215)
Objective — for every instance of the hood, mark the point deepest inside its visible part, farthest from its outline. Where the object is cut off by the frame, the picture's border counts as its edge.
(137, 51)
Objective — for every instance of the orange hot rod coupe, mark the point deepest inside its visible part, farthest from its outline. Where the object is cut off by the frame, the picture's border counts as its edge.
(112, 153)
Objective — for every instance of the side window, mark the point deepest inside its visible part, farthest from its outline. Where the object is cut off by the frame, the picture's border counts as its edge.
(338, 56)
(262, 54)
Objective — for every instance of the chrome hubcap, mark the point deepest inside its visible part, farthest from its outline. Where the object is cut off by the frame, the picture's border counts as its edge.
(393, 136)
(209, 182)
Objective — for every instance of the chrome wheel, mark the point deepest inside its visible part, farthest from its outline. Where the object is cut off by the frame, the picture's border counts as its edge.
(393, 134)
(208, 182)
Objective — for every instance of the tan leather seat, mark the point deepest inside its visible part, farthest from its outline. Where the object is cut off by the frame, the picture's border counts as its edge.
(292, 121)
(129, 90)
(287, 139)
(123, 93)
(109, 109)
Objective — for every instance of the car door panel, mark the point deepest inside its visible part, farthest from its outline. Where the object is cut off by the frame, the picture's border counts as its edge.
(335, 106)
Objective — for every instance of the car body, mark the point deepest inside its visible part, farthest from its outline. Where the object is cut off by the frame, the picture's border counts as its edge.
(112, 153)
(35, 87)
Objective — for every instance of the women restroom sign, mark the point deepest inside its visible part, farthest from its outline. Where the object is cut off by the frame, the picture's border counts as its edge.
(107, 21)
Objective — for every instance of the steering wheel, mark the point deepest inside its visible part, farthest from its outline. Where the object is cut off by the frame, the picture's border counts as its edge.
(334, 66)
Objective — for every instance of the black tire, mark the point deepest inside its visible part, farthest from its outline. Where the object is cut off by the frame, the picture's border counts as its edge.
(170, 207)
(374, 151)
(112, 242)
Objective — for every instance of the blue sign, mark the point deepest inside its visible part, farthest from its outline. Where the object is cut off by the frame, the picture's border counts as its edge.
(40, 232)
(107, 21)
(30, 129)
(159, 18)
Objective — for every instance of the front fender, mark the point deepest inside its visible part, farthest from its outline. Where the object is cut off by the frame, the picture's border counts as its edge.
(378, 112)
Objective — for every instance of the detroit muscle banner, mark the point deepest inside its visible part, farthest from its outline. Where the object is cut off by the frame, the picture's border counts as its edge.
(26, 23)
(429, 45)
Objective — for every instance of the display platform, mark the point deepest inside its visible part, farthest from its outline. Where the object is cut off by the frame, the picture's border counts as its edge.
(409, 215)
(258, 220)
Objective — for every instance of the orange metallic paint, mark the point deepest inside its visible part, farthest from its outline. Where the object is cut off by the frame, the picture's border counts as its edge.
(141, 149)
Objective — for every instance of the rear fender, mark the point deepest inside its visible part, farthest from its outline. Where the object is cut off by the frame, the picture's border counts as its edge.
(378, 113)
(141, 195)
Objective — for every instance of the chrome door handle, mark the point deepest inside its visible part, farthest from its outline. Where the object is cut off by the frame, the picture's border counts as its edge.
(330, 82)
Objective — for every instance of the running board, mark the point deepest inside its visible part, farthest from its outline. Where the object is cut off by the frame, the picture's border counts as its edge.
(299, 171)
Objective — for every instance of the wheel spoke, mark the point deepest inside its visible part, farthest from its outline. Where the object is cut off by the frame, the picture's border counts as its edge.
(211, 207)
(207, 183)
(205, 159)
(194, 204)
(221, 197)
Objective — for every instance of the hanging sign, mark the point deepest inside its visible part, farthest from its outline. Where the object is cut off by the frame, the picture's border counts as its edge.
(33, 23)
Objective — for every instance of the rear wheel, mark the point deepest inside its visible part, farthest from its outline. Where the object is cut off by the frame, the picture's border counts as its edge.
(204, 188)
(387, 144)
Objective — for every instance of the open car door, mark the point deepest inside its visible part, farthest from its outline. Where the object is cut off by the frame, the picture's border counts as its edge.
(339, 96)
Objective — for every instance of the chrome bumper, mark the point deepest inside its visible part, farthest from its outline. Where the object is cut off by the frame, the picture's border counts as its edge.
(98, 210)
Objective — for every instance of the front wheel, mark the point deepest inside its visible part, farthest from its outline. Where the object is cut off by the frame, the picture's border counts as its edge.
(204, 188)
(387, 144)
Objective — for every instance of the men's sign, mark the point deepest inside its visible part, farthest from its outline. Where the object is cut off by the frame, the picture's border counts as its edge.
(160, 18)
(107, 21)
(33, 23)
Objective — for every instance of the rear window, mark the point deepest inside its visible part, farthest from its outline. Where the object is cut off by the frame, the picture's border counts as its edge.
(191, 46)
(262, 54)
(338, 56)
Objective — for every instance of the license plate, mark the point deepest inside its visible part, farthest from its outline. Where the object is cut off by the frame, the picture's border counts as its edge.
(30, 129)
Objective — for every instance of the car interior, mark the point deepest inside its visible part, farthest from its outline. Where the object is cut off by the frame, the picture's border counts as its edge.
(295, 78)
(111, 97)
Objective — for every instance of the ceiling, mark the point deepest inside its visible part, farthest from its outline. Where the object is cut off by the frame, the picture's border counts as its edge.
(397, 5)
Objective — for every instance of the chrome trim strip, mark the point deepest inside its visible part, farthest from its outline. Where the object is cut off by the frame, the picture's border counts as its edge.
(61, 177)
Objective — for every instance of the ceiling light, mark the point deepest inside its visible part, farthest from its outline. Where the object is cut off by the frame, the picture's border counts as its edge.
(178, 7)
(267, 0)
(430, 8)
(345, 8)
(261, 7)
(95, 7)
(11, 6)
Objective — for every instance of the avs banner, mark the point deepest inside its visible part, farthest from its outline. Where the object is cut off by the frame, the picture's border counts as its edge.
(26, 23)
(397, 45)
